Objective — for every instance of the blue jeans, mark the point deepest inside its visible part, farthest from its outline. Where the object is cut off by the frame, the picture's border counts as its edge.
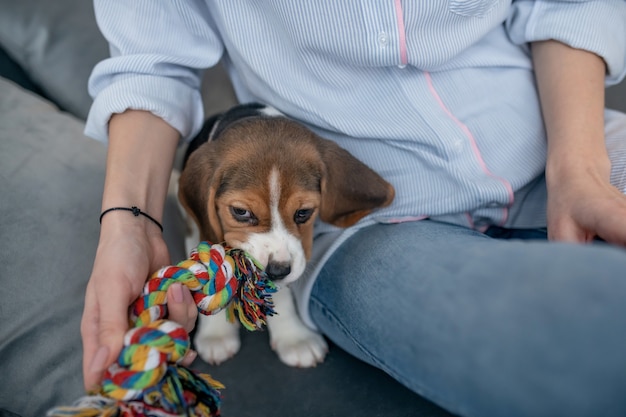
(500, 324)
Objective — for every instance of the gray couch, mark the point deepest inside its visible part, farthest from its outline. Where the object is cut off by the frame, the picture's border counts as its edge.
(51, 179)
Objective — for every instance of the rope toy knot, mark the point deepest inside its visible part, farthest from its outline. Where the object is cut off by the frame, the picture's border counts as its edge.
(147, 379)
(143, 361)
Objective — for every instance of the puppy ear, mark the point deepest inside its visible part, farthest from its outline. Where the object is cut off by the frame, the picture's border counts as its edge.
(214, 230)
(350, 189)
(196, 192)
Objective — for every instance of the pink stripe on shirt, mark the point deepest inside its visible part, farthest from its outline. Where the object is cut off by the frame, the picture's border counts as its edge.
(401, 32)
(472, 141)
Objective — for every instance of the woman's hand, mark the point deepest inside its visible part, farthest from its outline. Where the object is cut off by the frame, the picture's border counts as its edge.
(582, 205)
(130, 249)
(139, 163)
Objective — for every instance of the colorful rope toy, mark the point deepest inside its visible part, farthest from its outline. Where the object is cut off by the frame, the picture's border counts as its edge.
(147, 379)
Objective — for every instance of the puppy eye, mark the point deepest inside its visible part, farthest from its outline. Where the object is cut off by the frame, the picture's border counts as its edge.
(302, 216)
(243, 215)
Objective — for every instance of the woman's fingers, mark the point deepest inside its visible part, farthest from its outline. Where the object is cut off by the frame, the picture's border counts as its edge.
(181, 306)
(610, 223)
(89, 332)
(602, 214)
(190, 356)
(104, 323)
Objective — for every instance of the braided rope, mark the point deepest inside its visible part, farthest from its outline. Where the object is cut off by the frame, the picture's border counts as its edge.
(147, 379)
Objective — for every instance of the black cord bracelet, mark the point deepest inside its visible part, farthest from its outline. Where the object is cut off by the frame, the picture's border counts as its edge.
(136, 212)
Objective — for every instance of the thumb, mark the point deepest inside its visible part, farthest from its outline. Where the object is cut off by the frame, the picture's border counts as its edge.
(181, 306)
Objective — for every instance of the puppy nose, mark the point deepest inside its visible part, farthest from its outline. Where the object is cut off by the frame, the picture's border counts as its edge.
(277, 270)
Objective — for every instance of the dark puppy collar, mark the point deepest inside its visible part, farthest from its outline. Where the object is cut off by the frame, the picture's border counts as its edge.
(217, 124)
(238, 114)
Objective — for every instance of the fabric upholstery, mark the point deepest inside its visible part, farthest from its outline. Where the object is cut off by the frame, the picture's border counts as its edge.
(51, 179)
(57, 43)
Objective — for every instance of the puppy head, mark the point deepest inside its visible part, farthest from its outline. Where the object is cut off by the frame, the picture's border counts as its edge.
(262, 183)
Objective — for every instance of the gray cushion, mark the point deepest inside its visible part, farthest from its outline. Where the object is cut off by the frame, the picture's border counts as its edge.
(57, 43)
(51, 179)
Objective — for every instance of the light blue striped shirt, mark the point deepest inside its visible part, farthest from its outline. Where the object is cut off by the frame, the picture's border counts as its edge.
(436, 96)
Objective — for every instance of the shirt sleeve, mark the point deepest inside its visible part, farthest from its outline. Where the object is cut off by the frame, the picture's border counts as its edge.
(598, 26)
(159, 50)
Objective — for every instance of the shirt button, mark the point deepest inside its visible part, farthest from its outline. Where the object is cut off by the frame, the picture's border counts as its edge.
(457, 146)
(383, 39)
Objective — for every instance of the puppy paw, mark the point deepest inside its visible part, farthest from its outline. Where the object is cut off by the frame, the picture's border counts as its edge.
(300, 347)
(217, 341)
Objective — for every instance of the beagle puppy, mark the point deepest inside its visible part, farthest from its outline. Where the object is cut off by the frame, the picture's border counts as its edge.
(256, 180)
